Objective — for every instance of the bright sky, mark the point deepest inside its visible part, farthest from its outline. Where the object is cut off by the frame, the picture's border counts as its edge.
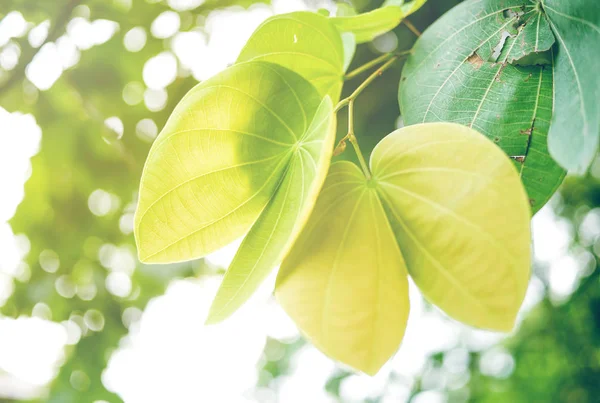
(169, 355)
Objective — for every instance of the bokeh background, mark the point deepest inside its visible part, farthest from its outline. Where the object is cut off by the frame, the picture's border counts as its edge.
(85, 86)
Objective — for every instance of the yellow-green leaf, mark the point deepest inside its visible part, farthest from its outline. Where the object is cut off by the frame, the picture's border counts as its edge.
(461, 218)
(304, 42)
(222, 157)
(412, 6)
(344, 282)
(278, 226)
(368, 26)
(574, 134)
(443, 202)
(349, 43)
(408, 8)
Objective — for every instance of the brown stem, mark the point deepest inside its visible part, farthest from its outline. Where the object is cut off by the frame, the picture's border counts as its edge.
(412, 28)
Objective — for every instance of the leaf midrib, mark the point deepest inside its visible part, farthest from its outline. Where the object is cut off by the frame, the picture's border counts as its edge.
(570, 17)
(534, 118)
(503, 65)
(340, 248)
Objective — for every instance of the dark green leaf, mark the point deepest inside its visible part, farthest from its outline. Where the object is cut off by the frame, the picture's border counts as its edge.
(575, 129)
(535, 38)
(451, 78)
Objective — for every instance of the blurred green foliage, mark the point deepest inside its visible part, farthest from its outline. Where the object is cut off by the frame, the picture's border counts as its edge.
(556, 351)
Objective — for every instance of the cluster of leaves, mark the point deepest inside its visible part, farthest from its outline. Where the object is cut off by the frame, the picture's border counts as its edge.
(74, 161)
(248, 153)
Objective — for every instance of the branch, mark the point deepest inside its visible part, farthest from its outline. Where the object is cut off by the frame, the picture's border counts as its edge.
(412, 28)
(366, 83)
(383, 58)
(56, 31)
(349, 101)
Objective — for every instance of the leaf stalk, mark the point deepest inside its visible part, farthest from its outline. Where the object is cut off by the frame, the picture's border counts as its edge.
(349, 101)
(412, 28)
(375, 62)
(352, 139)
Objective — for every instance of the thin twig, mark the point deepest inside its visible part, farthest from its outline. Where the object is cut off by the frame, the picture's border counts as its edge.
(412, 28)
(368, 65)
(375, 62)
(349, 101)
(372, 78)
(61, 21)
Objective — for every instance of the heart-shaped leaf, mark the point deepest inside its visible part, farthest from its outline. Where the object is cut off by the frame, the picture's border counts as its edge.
(575, 130)
(445, 203)
(459, 72)
(248, 148)
(304, 42)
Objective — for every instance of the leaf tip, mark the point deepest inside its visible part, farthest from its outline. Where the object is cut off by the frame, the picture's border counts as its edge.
(372, 370)
(151, 256)
(144, 255)
(217, 314)
(212, 319)
(507, 325)
(496, 323)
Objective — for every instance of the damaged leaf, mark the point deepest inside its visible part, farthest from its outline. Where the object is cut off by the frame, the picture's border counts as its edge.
(532, 34)
(498, 49)
(451, 78)
(533, 42)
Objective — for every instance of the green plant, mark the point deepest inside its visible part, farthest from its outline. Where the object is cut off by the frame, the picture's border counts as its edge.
(248, 152)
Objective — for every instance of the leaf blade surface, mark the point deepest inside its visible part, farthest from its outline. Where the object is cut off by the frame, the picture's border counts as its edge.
(304, 42)
(344, 282)
(461, 219)
(575, 130)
